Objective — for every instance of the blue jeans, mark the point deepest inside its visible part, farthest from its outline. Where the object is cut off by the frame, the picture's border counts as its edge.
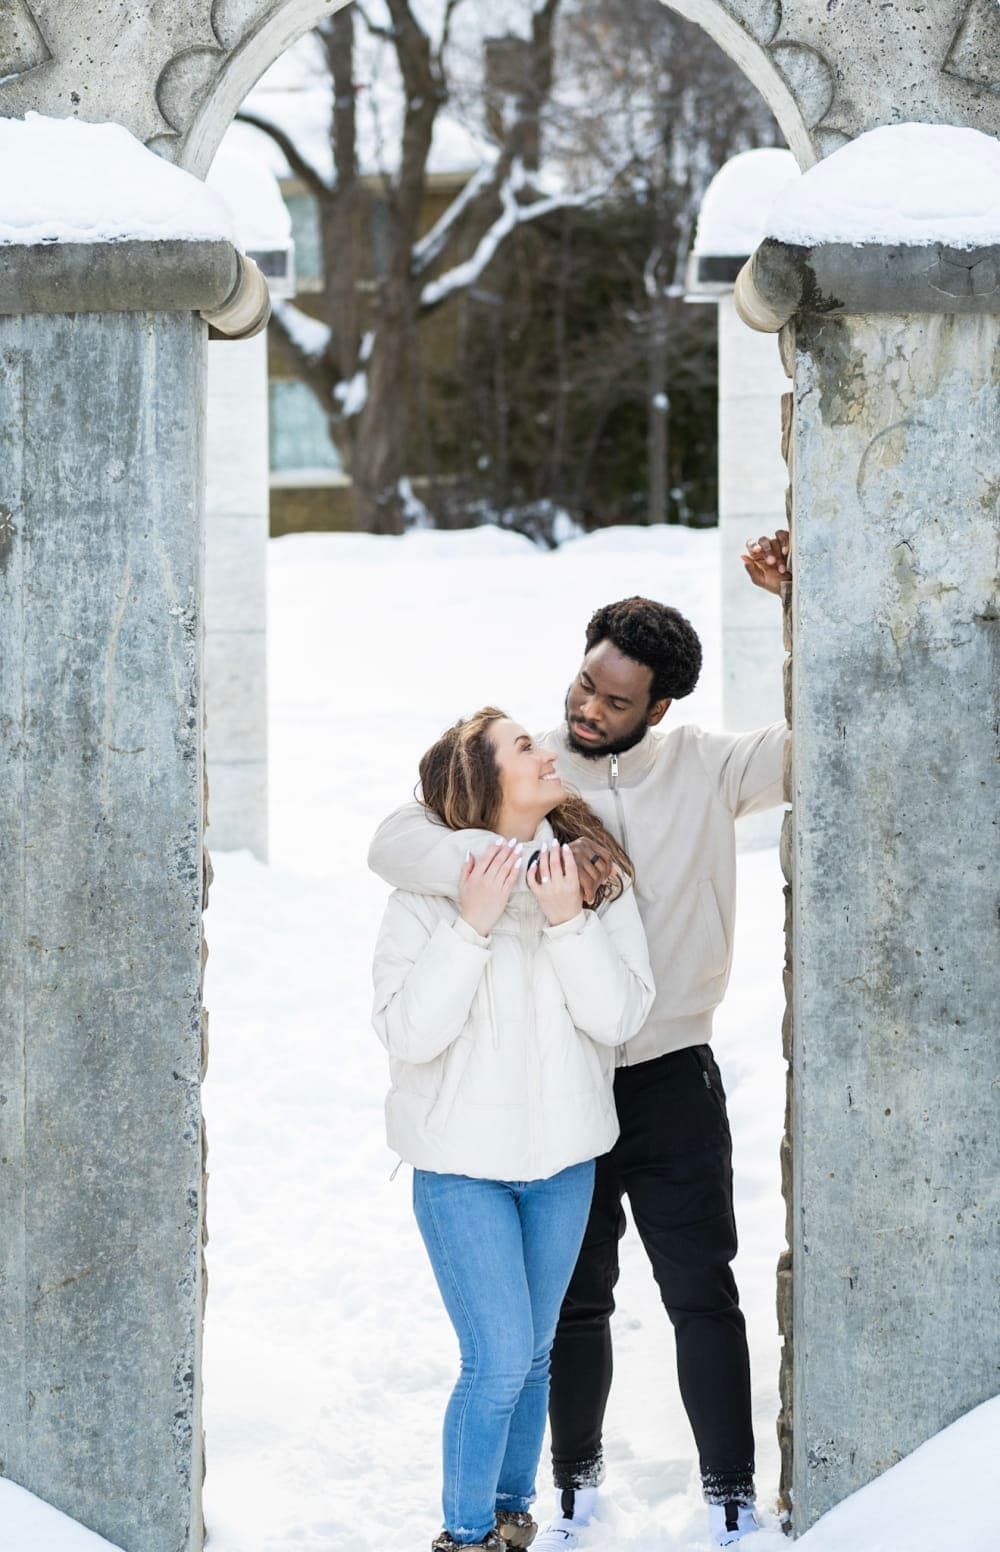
(502, 1253)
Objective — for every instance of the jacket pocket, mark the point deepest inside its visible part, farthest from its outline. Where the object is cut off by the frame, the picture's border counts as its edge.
(437, 1116)
(717, 948)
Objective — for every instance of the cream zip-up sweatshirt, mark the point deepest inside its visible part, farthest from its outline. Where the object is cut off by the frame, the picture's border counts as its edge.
(672, 801)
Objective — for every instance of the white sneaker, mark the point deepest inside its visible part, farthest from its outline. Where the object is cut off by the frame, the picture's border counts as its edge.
(728, 1523)
(576, 1509)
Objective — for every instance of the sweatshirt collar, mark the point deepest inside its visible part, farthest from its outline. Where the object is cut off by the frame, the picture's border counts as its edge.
(632, 765)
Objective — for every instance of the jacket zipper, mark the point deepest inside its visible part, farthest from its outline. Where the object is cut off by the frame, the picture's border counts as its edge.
(619, 806)
(527, 946)
(623, 828)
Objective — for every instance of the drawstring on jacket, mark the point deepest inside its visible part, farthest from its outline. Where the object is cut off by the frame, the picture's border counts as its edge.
(491, 1005)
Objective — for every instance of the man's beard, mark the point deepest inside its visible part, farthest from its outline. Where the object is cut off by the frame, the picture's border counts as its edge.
(602, 751)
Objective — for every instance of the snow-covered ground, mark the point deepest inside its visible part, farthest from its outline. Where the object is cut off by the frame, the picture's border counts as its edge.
(328, 1356)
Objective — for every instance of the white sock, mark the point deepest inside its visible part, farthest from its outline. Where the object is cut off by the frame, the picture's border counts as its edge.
(582, 1501)
(720, 1523)
(574, 1509)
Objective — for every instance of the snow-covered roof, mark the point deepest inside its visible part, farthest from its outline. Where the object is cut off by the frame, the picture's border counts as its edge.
(62, 180)
(252, 195)
(902, 183)
(731, 221)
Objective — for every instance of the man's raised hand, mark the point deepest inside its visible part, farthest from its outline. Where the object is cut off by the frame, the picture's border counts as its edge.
(594, 865)
(555, 884)
(765, 561)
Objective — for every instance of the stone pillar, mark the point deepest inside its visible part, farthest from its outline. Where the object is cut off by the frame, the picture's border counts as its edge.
(752, 478)
(752, 484)
(101, 1178)
(236, 532)
(237, 521)
(894, 853)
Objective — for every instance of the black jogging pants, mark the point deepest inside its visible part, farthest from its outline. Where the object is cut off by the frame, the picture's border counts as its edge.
(673, 1161)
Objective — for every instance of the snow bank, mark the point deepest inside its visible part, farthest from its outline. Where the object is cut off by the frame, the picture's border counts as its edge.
(731, 222)
(936, 1498)
(62, 180)
(903, 183)
(28, 1525)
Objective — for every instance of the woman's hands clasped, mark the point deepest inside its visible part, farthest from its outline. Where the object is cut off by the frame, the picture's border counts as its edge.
(555, 883)
(485, 885)
(487, 881)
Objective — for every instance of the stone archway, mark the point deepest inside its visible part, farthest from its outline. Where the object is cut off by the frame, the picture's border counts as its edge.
(95, 942)
(176, 78)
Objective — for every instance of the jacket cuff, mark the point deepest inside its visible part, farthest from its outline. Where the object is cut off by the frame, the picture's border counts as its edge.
(567, 929)
(469, 934)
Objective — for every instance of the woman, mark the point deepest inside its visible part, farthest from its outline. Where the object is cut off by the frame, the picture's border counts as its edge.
(500, 1009)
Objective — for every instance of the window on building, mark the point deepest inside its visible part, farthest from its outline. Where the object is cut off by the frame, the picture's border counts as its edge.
(300, 438)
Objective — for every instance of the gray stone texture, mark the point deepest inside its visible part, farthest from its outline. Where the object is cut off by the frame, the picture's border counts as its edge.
(169, 276)
(839, 278)
(101, 1193)
(896, 677)
(175, 74)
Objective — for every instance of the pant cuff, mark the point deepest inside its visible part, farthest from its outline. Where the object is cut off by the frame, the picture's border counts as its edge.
(736, 1485)
(579, 1473)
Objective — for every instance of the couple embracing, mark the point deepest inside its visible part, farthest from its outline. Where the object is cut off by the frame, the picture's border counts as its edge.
(545, 977)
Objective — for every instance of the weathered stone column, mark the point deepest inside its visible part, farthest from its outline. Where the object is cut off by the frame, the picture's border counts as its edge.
(102, 367)
(895, 856)
(752, 475)
(236, 533)
(237, 522)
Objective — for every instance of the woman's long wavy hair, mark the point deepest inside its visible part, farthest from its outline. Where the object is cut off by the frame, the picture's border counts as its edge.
(460, 783)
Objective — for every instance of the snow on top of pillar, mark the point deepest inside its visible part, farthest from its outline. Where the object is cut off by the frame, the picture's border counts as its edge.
(731, 221)
(63, 180)
(253, 197)
(903, 183)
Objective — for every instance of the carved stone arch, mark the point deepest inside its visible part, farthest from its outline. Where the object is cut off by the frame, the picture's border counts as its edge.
(744, 29)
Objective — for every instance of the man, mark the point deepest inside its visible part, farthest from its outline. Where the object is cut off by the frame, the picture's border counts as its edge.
(672, 799)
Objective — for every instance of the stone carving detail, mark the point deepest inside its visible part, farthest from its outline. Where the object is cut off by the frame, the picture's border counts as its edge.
(810, 78)
(183, 83)
(22, 47)
(975, 50)
(102, 62)
(762, 18)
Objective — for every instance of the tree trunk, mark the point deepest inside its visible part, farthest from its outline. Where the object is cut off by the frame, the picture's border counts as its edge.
(381, 431)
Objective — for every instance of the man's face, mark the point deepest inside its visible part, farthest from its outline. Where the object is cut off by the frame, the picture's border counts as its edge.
(607, 706)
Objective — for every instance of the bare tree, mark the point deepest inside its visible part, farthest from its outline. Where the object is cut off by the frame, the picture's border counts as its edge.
(608, 378)
(362, 364)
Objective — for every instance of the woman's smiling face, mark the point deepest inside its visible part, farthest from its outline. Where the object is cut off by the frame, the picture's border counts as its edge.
(528, 778)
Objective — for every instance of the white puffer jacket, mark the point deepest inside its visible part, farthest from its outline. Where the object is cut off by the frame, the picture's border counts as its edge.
(502, 1049)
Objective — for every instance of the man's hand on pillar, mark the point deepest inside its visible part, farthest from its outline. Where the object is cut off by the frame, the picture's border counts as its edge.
(766, 561)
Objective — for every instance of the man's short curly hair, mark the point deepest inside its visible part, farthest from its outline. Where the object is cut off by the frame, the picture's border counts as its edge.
(655, 635)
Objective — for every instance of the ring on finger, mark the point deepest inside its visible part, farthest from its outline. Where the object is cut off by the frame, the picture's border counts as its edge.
(595, 859)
